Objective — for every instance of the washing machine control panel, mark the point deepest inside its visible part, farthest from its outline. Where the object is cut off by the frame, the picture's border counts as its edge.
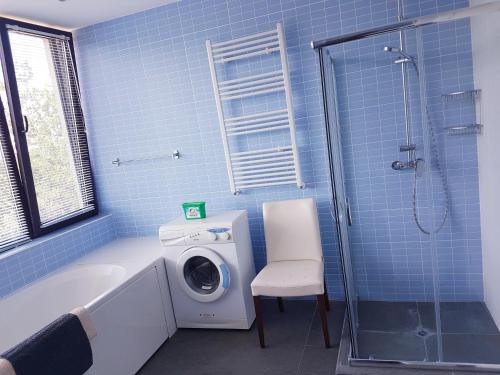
(200, 236)
(207, 236)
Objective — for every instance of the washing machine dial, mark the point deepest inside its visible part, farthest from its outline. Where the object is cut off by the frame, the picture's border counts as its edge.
(211, 236)
(224, 236)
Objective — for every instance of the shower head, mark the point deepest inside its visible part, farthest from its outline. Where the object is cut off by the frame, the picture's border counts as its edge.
(402, 53)
(391, 49)
(398, 51)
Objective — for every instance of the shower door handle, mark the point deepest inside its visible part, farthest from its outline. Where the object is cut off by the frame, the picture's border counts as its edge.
(26, 124)
(348, 209)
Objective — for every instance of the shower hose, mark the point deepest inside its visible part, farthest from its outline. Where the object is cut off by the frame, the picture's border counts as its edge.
(436, 158)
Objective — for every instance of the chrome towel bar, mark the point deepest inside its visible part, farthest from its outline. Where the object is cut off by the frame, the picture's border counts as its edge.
(175, 155)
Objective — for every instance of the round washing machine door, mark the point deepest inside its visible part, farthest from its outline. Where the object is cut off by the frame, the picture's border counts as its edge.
(202, 274)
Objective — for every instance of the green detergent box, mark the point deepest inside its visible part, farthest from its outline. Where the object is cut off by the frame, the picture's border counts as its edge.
(194, 210)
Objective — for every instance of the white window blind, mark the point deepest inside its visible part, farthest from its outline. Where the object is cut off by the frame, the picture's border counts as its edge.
(13, 226)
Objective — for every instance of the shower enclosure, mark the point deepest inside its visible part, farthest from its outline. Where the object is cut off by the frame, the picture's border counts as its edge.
(403, 119)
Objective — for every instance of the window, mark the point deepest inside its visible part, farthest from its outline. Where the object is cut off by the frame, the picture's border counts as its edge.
(45, 175)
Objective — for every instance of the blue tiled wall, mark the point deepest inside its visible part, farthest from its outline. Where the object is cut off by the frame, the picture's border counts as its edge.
(147, 91)
(36, 259)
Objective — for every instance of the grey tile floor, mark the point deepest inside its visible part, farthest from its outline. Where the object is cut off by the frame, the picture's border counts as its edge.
(407, 331)
(294, 346)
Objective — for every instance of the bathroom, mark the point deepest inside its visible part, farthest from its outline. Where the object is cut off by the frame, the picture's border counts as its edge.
(390, 130)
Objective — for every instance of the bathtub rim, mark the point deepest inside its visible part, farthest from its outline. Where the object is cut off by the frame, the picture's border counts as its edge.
(132, 272)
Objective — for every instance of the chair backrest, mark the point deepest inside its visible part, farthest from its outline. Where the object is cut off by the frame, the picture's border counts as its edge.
(292, 230)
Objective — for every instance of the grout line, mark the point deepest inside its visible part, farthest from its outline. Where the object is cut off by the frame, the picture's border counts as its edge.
(307, 339)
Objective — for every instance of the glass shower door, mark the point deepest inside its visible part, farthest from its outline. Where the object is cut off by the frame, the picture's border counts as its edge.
(387, 261)
(340, 207)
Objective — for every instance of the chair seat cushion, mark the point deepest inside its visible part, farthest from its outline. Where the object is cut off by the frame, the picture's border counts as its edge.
(289, 278)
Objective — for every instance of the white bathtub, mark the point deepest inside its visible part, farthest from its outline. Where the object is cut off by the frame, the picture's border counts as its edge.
(123, 286)
(34, 307)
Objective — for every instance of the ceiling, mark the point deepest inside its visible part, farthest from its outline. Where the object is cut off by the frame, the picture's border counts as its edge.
(74, 14)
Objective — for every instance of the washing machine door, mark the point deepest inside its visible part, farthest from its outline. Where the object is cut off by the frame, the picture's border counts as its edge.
(202, 274)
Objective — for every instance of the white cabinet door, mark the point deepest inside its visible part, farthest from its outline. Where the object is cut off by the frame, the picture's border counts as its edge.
(131, 326)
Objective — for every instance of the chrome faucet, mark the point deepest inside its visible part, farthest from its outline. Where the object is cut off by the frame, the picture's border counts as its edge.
(417, 165)
(399, 165)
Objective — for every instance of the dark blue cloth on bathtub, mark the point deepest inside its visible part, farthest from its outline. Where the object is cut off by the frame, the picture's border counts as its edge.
(61, 348)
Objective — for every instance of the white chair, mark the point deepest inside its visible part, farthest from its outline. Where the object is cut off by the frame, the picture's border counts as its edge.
(294, 259)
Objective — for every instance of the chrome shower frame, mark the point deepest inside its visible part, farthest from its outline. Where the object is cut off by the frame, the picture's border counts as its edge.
(400, 26)
(410, 23)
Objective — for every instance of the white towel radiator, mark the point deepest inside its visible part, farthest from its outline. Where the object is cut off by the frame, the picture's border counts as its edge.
(256, 167)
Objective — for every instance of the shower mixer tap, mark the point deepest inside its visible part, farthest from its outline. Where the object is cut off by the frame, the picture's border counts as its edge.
(416, 164)
(399, 165)
(411, 163)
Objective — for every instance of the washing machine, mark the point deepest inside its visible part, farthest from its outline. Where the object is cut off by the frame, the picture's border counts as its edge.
(210, 267)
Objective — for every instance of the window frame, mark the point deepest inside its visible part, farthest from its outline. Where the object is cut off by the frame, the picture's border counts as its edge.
(25, 175)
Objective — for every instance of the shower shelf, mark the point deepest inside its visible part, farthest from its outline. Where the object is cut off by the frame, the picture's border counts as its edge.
(462, 95)
(254, 167)
(472, 96)
(465, 129)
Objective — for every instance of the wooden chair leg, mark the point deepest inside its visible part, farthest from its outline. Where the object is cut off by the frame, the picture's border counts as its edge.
(327, 301)
(258, 320)
(280, 304)
(324, 319)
